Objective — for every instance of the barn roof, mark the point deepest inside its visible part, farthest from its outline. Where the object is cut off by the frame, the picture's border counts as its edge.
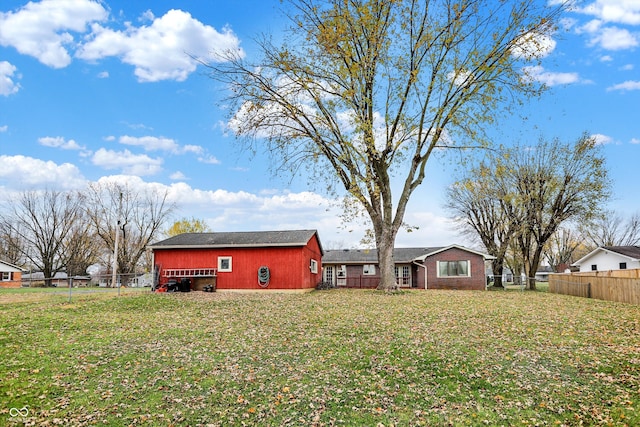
(238, 239)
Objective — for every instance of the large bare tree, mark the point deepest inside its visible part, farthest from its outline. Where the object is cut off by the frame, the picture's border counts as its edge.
(363, 91)
(139, 214)
(612, 229)
(44, 223)
(476, 202)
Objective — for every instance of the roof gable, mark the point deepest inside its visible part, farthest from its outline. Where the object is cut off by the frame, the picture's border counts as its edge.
(630, 252)
(5, 266)
(239, 239)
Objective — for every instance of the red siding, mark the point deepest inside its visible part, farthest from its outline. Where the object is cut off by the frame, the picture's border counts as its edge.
(477, 280)
(288, 266)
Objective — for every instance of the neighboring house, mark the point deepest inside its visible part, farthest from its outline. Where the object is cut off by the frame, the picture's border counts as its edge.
(450, 267)
(610, 258)
(60, 279)
(236, 260)
(10, 275)
(542, 275)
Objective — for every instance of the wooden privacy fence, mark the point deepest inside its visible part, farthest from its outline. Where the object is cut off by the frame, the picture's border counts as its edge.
(604, 287)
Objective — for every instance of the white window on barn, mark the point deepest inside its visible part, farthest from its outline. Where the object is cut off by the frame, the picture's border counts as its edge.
(313, 266)
(225, 264)
(454, 269)
(403, 275)
(6, 276)
(623, 266)
(368, 270)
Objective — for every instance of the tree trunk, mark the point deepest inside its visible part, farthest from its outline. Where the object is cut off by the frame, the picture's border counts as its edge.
(498, 268)
(386, 264)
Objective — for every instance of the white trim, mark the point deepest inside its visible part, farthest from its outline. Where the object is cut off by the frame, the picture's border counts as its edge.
(225, 258)
(462, 248)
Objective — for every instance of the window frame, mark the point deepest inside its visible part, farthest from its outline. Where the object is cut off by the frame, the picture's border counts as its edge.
(623, 266)
(594, 267)
(455, 276)
(221, 259)
(313, 266)
(370, 271)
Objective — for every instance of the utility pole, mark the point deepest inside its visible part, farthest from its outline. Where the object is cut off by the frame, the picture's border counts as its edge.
(115, 247)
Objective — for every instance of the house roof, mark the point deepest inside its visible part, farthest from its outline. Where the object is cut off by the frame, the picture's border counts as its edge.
(238, 239)
(631, 252)
(5, 266)
(400, 255)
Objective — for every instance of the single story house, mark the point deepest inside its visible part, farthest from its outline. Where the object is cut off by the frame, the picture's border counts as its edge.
(59, 279)
(10, 275)
(276, 260)
(607, 258)
(450, 267)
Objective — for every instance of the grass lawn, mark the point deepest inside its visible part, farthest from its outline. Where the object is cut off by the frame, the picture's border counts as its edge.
(340, 357)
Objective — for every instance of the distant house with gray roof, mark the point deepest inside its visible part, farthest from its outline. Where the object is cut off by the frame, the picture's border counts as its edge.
(448, 267)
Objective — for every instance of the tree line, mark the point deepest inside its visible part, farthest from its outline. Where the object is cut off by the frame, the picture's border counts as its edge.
(53, 231)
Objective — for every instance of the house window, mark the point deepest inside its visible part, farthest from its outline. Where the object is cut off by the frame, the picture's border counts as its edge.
(313, 265)
(594, 267)
(368, 270)
(453, 268)
(342, 271)
(224, 264)
(623, 266)
(6, 276)
(403, 275)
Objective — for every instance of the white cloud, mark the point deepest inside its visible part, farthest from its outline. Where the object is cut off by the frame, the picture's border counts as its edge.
(616, 11)
(7, 84)
(627, 67)
(4, 128)
(127, 162)
(614, 38)
(151, 143)
(24, 172)
(538, 73)
(534, 45)
(59, 142)
(606, 58)
(625, 86)
(635, 140)
(159, 51)
(602, 139)
(212, 160)
(42, 29)
(154, 143)
(178, 176)
(103, 75)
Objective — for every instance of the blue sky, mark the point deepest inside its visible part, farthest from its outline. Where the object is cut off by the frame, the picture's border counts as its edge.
(94, 91)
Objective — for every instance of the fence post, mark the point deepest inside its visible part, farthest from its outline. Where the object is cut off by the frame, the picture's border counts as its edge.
(588, 289)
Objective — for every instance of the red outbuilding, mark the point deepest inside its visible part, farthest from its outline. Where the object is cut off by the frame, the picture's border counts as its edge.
(276, 260)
